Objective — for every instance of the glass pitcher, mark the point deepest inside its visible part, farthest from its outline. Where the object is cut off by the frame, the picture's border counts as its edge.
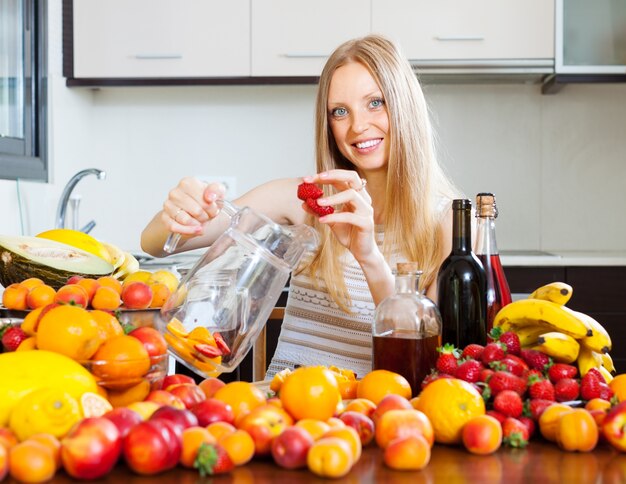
(221, 305)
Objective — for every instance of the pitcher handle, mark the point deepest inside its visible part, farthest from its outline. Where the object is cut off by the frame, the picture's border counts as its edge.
(243, 311)
(173, 239)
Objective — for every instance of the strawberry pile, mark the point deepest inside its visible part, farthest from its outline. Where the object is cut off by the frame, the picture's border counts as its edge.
(516, 384)
(309, 193)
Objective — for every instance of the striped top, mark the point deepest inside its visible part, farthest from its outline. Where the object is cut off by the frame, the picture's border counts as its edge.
(315, 331)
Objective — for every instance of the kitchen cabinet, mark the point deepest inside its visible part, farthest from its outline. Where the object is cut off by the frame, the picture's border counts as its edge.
(159, 38)
(294, 38)
(598, 292)
(480, 33)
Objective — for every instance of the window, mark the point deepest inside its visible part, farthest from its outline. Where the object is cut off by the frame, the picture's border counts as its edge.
(23, 98)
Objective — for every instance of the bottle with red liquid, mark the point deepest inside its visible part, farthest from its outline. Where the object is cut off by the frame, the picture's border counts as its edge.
(406, 330)
(498, 292)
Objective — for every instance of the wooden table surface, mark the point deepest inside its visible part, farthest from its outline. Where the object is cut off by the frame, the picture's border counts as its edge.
(540, 463)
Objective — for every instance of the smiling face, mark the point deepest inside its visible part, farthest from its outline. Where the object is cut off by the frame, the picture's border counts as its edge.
(358, 118)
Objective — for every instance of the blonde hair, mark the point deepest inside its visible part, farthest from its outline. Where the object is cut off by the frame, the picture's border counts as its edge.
(414, 178)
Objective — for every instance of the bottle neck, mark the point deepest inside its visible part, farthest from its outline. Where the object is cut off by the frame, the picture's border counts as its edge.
(486, 236)
(461, 231)
(407, 283)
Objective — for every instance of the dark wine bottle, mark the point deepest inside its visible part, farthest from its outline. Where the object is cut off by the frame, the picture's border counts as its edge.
(498, 292)
(462, 285)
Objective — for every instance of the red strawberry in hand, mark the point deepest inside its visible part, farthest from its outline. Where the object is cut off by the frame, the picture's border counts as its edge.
(12, 337)
(309, 190)
(447, 361)
(318, 209)
(212, 459)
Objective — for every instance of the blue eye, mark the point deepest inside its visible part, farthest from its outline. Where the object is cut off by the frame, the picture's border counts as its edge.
(338, 112)
(377, 103)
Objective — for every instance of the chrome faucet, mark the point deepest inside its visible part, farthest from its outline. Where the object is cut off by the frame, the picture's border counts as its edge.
(67, 191)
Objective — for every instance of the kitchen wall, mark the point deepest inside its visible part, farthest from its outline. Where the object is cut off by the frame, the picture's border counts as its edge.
(557, 163)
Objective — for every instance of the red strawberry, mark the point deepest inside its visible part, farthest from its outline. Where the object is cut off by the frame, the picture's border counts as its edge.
(469, 371)
(596, 374)
(512, 343)
(485, 374)
(212, 459)
(514, 433)
(493, 352)
(508, 403)
(497, 415)
(536, 359)
(539, 388)
(12, 336)
(514, 364)
(606, 393)
(318, 209)
(503, 380)
(530, 424)
(448, 359)
(473, 350)
(590, 385)
(309, 190)
(561, 370)
(535, 408)
(566, 390)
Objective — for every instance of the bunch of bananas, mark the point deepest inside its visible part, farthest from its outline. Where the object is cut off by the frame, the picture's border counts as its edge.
(544, 323)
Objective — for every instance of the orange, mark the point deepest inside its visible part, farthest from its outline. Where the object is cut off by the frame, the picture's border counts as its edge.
(110, 282)
(31, 322)
(31, 461)
(106, 298)
(69, 330)
(618, 385)
(310, 392)
(315, 428)
(192, 438)
(52, 443)
(220, 429)
(120, 362)
(449, 404)
(379, 383)
(239, 446)
(241, 396)
(109, 325)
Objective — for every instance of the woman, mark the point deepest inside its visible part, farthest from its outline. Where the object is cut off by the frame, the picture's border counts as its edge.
(376, 162)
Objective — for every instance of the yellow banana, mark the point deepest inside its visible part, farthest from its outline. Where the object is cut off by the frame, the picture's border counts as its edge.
(599, 340)
(606, 374)
(129, 266)
(560, 346)
(533, 312)
(528, 335)
(607, 362)
(557, 292)
(587, 359)
(116, 255)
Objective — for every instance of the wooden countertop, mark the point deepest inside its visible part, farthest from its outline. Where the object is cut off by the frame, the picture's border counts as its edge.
(539, 463)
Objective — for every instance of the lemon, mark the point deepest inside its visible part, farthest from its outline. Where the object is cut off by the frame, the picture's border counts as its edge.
(45, 410)
(138, 276)
(94, 405)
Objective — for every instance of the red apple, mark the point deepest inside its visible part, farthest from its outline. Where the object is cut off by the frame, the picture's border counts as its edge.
(163, 397)
(137, 295)
(291, 446)
(363, 425)
(152, 340)
(213, 410)
(124, 419)
(613, 427)
(189, 393)
(264, 423)
(211, 385)
(180, 417)
(152, 447)
(91, 448)
(390, 402)
(176, 379)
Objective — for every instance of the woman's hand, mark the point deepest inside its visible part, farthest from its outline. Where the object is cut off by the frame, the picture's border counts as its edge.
(190, 204)
(354, 224)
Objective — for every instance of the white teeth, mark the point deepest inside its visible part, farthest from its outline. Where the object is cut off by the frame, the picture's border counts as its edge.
(367, 144)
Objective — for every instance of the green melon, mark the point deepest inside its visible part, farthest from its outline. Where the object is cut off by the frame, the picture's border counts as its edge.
(52, 262)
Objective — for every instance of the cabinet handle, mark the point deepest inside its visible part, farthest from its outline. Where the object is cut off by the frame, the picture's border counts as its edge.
(157, 56)
(459, 38)
(305, 55)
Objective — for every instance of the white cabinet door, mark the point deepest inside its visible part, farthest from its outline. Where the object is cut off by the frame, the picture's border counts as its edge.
(468, 29)
(295, 37)
(161, 38)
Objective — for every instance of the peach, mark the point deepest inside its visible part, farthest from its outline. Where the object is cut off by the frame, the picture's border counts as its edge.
(14, 297)
(163, 397)
(239, 446)
(31, 283)
(482, 435)
(152, 340)
(335, 422)
(315, 428)
(145, 409)
(106, 298)
(402, 423)
(160, 294)
(407, 453)
(290, 448)
(72, 294)
(263, 423)
(213, 410)
(549, 420)
(390, 402)
(40, 296)
(110, 282)
(192, 438)
(330, 457)
(220, 429)
(361, 405)
(350, 436)
(211, 385)
(189, 393)
(363, 425)
(90, 285)
(137, 295)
